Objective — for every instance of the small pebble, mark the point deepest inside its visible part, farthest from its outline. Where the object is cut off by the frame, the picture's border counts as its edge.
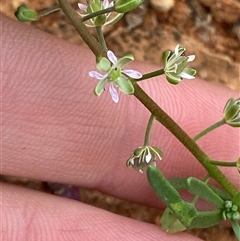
(162, 6)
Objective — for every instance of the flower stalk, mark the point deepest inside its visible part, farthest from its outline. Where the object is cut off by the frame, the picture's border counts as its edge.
(186, 140)
(148, 130)
(101, 38)
(151, 75)
(100, 12)
(210, 128)
(76, 21)
(156, 111)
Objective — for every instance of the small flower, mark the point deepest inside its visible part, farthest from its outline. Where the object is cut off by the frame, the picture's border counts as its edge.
(115, 75)
(95, 6)
(144, 156)
(175, 65)
(232, 112)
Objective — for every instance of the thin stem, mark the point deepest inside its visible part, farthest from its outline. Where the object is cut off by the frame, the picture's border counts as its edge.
(95, 14)
(210, 128)
(148, 130)
(151, 75)
(223, 164)
(101, 37)
(186, 140)
(159, 114)
(48, 11)
(76, 21)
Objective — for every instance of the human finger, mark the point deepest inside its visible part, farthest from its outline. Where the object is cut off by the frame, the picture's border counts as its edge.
(55, 129)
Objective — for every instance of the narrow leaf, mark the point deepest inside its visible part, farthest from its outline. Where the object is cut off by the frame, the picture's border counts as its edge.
(170, 223)
(184, 211)
(207, 219)
(201, 189)
(236, 228)
(179, 183)
(236, 199)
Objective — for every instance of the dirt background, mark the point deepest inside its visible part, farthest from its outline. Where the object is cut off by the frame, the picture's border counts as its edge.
(210, 29)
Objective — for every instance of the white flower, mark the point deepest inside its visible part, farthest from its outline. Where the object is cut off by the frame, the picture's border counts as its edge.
(114, 75)
(175, 65)
(143, 157)
(95, 6)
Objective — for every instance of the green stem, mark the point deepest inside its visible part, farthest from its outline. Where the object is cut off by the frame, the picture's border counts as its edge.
(223, 164)
(48, 11)
(95, 14)
(186, 140)
(148, 130)
(101, 38)
(151, 75)
(210, 128)
(156, 111)
(76, 21)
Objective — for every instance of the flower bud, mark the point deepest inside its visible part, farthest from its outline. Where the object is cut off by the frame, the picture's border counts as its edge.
(24, 14)
(236, 216)
(232, 112)
(123, 6)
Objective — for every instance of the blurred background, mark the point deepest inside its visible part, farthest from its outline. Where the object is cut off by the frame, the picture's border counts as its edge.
(210, 29)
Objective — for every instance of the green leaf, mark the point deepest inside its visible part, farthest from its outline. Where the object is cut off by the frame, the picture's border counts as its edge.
(100, 87)
(170, 223)
(125, 86)
(165, 56)
(184, 211)
(125, 60)
(190, 71)
(207, 219)
(173, 79)
(104, 64)
(201, 189)
(179, 183)
(236, 228)
(236, 199)
(115, 19)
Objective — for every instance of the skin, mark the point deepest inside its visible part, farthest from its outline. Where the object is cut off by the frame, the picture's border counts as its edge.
(56, 130)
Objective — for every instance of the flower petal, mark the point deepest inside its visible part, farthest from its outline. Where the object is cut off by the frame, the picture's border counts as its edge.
(132, 73)
(106, 4)
(189, 72)
(185, 75)
(82, 7)
(112, 57)
(96, 75)
(176, 49)
(191, 58)
(114, 94)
